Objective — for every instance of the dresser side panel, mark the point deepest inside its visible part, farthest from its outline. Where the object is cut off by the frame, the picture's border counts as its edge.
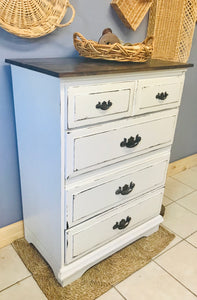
(38, 124)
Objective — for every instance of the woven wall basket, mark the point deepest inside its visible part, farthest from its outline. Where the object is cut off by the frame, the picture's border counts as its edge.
(131, 12)
(33, 18)
(172, 23)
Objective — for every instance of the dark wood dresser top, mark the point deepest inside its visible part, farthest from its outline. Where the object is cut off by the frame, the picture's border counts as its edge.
(70, 67)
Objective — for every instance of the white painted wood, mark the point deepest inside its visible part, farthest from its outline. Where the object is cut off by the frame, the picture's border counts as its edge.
(100, 175)
(91, 234)
(108, 137)
(82, 101)
(117, 78)
(89, 180)
(37, 113)
(127, 78)
(90, 148)
(74, 270)
(71, 162)
(97, 196)
(148, 89)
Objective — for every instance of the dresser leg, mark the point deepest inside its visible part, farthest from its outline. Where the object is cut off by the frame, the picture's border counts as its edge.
(162, 211)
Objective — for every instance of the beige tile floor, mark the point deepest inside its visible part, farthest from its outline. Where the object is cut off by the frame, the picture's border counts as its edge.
(171, 275)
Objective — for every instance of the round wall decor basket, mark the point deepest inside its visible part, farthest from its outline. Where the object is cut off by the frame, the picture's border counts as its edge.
(33, 18)
(139, 52)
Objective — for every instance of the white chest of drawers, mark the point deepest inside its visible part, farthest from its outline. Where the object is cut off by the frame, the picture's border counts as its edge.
(94, 142)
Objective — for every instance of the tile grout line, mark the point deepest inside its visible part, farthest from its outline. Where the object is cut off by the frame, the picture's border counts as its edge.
(175, 202)
(167, 204)
(185, 195)
(181, 196)
(184, 183)
(192, 233)
(119, 291)
(175, 278)
(190, 244)
(153, 259)
(15, 283)
(194, 189)
(182, 239)
(165, 195)
(185, 207)
(171, 231)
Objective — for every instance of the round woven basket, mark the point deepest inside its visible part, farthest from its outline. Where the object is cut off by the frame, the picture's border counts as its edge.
(33, 18)
(139, 52)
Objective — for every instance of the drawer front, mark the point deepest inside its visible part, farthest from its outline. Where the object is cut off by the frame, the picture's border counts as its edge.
(116, 189)
(99, 103)
(100, 230)
(86, 152)
(158, 93)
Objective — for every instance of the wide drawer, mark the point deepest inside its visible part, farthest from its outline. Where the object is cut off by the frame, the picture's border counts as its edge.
(99, 103)
(94, 147)
(106, 192)
(102, 229)
(158, 94)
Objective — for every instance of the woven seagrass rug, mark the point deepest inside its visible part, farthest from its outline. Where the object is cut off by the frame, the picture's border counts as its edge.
(101, 277)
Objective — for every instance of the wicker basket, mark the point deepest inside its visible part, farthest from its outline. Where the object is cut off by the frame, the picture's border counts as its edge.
(131, 12)
(33, 18)
(139, 52)
(172, 23)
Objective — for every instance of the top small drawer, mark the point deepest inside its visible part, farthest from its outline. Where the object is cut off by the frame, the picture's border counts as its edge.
(157, 94)
(93, 104)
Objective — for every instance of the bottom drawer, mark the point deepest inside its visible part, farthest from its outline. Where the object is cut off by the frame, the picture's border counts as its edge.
(91, 234)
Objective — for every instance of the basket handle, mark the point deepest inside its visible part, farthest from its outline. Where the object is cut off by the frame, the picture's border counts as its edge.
(78, 36)
(148, 40)
(71, 19)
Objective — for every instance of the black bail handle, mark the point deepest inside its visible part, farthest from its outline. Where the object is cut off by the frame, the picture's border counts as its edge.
(131, 142)
(104, 105)
(162, 96)
(126, 189)
(122, 224)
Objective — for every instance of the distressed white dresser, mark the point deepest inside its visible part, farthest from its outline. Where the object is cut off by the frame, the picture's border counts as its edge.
(94, 141)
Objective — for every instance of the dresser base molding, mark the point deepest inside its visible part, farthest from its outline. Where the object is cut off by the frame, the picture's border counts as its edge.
(73, 271)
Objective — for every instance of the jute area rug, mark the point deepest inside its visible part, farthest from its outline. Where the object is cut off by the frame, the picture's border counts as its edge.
(101, 277)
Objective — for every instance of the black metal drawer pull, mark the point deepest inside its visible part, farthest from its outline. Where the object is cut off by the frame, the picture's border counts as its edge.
(104, 105)
(126, 189)
(132, 142)
(122, 224)
(162, 96)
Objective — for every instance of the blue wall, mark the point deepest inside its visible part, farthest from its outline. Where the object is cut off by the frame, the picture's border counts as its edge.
(91, 18)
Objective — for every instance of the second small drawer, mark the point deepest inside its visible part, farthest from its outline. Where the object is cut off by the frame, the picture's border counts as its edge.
(157, 94)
